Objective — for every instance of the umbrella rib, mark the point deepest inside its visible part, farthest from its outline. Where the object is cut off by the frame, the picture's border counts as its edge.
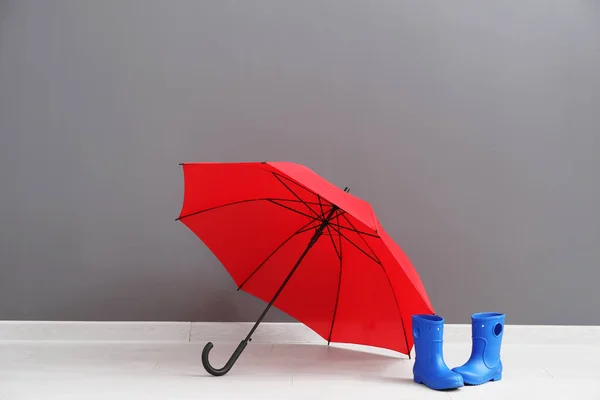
(357, 246)
(297, 201)
(333, 243)
(216, 207)
(329, 203)
(337, 297)
(295, 194)
(294, 210)
(329, 222)
(309, 228)
(391, 287)
(272, 200)
(357, 231)
(321, 205)
(275, 251)
(398, 307)
(287, 178)
(353, 227)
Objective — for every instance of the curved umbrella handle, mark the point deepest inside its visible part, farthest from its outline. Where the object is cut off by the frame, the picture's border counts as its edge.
(221, 371)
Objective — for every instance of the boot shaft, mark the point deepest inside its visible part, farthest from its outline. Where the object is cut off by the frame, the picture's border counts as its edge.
(428, 332)
(487, 331)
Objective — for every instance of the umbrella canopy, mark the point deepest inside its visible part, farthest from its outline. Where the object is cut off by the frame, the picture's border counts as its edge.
(315, 251)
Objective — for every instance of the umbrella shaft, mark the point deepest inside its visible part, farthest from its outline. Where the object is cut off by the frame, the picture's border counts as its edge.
(244, 343)
(313, 240)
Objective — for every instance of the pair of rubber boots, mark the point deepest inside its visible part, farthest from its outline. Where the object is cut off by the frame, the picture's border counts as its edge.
(483, 366)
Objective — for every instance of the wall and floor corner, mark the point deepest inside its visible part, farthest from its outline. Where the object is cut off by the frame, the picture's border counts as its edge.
(472, 127)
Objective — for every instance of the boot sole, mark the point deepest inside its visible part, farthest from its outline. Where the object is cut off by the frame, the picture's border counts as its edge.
(494, 378)
(420, 381)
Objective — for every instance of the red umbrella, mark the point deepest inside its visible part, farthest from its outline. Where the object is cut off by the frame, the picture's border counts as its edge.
(316, 252)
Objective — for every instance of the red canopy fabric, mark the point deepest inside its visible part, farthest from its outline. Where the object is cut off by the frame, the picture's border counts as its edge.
(355, 284)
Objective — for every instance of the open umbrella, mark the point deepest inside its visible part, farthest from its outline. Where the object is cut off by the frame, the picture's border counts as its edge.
(316, 252)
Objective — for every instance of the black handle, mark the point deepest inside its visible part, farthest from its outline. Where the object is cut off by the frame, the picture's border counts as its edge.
(221, 371)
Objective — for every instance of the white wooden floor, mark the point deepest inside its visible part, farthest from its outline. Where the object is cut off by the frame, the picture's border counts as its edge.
(92, 369)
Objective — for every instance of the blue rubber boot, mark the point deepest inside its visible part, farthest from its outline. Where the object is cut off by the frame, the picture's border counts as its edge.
(430, 368)
(485, 364)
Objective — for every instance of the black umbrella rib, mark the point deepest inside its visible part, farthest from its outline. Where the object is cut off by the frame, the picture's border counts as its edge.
(337, 297)
(305, 189)
(315, 218)
(389, 283)
(295, 183)
(333, 243)
(310, 228)
(398, 307)
(272, 200)
(336, 215)
(275, 251)
(355, 230)
(217, 207)
(320, 205)
(376, 260)
(297, 201)
(296, 195)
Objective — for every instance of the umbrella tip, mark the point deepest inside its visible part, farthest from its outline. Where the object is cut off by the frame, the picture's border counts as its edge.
(180, 163)
(263, 162)
(347, 189)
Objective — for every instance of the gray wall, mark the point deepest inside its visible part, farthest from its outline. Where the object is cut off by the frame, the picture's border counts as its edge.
(473, 128)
